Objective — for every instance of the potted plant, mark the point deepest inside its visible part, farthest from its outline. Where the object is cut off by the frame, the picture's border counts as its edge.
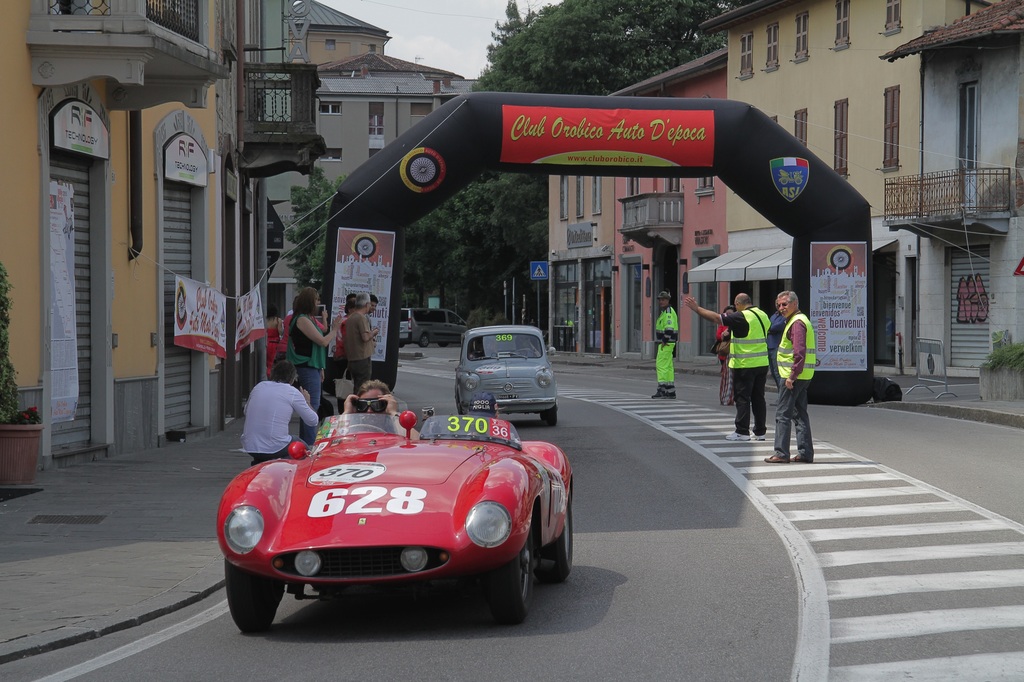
(20, 430)
(1001, 376)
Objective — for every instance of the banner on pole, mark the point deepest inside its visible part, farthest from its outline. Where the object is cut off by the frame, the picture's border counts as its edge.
(200, 320)
(249, 324)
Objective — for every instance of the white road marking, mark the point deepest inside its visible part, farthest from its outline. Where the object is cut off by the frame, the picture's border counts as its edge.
(826, 534)
(1001, 667)
(139, 646)
(901, 554)
(705, 434)
(879, 510)
(862, 588)
(916, 624)
(858, 494)
(821, 480)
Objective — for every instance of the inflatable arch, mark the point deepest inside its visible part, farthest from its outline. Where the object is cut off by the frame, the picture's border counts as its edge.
(615, 136)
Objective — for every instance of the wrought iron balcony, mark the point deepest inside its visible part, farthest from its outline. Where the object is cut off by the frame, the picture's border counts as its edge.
(648, 218)
(981, 197)
(154, 51)
(280, 119)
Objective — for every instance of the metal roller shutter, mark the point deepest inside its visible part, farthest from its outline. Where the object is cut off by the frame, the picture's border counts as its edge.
(75, 170)
(969, 307)
(178, 261)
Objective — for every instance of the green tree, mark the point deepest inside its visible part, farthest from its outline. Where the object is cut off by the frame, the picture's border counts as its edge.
(487, 233)
(311, 206)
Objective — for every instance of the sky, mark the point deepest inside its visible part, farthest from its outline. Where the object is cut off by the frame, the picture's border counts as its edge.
(446, 34)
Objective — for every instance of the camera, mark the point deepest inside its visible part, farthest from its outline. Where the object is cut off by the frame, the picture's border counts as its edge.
(375, 405)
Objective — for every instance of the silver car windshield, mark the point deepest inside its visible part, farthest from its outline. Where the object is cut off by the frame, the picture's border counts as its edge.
(510, 345)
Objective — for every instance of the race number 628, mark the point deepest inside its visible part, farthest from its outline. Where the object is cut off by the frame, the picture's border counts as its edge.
(363, 500)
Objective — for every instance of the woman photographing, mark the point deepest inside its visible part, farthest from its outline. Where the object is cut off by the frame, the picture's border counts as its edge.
(307, 350)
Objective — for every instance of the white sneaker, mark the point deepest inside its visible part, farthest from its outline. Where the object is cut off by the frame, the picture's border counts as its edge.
(761, 437)
(737, 436)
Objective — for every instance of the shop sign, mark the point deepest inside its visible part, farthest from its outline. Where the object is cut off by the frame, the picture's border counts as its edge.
(77, 127)
(579, 235)
(185, 160)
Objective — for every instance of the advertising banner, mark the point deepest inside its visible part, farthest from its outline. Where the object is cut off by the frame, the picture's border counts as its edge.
(249, 315)
(613, 137)
(839, 305)
(63, 324)
(200, 317)
(365, 262)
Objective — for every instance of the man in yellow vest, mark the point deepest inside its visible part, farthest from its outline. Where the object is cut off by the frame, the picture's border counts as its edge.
(796, 362)
(667, 332)
(748, 361)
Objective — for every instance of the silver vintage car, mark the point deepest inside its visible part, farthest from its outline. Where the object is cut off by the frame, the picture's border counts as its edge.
(509, 361)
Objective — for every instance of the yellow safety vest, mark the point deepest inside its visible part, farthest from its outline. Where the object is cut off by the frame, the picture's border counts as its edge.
(667, 326)
(751, 350)
(785, 356)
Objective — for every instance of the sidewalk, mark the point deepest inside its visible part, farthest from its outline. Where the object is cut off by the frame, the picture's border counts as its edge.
(102, 547)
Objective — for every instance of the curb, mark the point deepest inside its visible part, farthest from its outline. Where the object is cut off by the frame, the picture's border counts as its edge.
(195, 588)
(957, 412)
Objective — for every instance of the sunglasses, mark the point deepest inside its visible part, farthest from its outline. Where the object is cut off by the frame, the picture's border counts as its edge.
(374, 405)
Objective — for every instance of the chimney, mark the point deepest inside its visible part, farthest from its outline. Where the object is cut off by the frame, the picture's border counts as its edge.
(447, 81)
(363, 71)
(437, 87)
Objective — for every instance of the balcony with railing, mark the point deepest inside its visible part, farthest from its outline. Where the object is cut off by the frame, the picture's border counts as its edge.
(981, 198)
(280, 119)
(648, 219)
(154, 51)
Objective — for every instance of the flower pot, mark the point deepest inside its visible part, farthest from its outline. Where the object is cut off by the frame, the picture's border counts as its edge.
(19, 452)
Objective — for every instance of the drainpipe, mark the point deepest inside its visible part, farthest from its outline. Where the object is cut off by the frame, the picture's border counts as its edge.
(240, 86)
(135, 183)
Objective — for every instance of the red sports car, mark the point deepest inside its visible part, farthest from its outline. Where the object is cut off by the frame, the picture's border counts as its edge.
(373, 503)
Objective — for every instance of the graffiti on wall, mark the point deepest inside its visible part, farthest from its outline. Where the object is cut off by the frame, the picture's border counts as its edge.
(971, 300)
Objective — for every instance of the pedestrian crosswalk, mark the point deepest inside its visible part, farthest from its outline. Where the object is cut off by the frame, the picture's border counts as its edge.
(884, 560)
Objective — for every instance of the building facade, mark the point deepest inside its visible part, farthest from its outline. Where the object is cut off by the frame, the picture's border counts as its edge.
(126, 174)
(813, 65)
(963, 208)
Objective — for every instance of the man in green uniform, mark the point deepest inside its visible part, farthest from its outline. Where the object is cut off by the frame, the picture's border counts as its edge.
(667, 332)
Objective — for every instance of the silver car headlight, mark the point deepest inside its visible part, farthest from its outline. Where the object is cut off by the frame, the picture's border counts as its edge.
(471, 381)
(243, 529)
(307, 562)
(414, 559)
(488, 524)
(544, 377)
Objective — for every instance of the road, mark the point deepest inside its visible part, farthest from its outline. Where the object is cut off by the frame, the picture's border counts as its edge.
(898, 553)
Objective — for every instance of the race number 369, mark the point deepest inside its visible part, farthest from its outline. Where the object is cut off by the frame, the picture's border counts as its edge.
(366, 500)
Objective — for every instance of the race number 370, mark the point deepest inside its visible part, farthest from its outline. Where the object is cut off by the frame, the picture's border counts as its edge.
(369, 499)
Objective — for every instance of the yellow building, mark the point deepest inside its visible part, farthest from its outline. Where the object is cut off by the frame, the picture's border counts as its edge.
(813, 66)
(122, 173)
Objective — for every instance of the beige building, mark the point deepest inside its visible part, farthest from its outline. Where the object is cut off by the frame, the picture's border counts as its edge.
(813, 65)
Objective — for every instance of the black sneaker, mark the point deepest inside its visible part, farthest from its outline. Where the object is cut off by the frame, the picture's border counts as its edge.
(670, 396)
(659, 394)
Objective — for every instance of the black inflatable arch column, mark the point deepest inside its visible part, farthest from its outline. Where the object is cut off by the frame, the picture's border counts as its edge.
(615, 136)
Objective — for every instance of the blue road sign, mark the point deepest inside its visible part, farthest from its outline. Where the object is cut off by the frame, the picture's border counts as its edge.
(538, 269)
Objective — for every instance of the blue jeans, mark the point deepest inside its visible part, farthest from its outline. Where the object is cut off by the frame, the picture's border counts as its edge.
(793, 409)
(309, 379)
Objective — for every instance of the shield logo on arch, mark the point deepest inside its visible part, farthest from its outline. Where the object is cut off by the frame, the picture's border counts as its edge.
(790, 175)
